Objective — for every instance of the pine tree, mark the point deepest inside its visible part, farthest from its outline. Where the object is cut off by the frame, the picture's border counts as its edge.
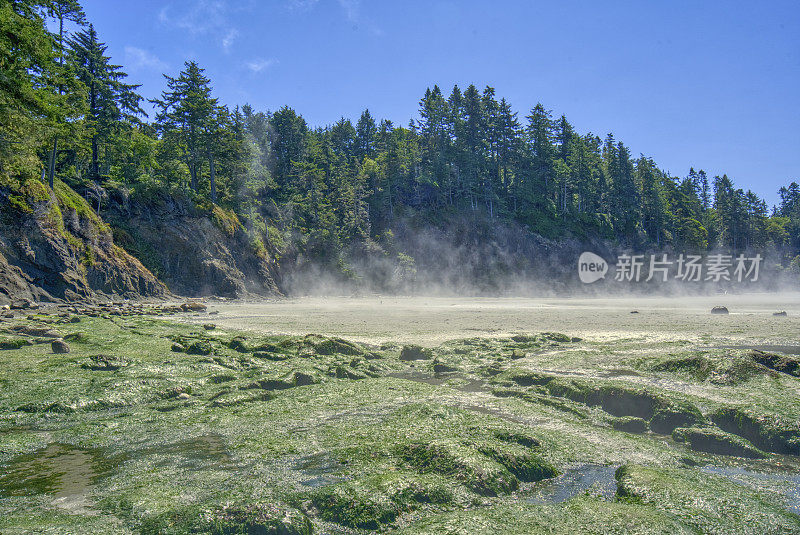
(32, 108)
(289, 134)
(63, 11)
(189, 118)
(366, 130)
(540, 137)
(110, 101)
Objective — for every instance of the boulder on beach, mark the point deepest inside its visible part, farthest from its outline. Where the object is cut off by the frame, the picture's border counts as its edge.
(719, 310)
(59, 346)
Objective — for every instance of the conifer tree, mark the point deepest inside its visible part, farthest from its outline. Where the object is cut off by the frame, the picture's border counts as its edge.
(110, 102)
(189, 118)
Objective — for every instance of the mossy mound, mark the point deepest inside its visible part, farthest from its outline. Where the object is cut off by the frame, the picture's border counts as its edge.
(231, 519)
(630, 424)
(662, 413)
(711, 440)
(475, 470)
(415, 352)
(704, 502)
(332, 346)
(779, 363)
(376, 501)
(767, 432)
(698, 367)
(14, 343)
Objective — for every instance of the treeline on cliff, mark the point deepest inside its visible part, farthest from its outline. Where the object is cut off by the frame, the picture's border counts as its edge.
(68, 113)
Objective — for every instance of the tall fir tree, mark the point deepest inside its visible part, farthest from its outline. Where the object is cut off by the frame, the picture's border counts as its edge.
(111, 102)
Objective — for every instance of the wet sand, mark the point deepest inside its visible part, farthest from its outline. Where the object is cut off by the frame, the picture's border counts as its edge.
(431, 320)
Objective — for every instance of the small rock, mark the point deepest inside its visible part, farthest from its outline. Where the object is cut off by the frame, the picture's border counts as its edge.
(59, 346)
(781, 313)
(178, 348)
(439, 367)
(193, 306)
(184, 395)
(209, 326)
(719, 310)
(21, 304)
(303, 379)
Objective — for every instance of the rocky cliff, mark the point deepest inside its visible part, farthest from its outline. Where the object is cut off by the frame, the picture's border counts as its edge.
(194, 250)
(53, 246)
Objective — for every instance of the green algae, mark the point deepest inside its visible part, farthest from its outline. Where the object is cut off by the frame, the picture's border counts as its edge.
(335, 435)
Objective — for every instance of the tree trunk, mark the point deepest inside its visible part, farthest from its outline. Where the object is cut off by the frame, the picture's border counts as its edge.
(193, 173)
(95, 159)
(52, 167)
(212, 178)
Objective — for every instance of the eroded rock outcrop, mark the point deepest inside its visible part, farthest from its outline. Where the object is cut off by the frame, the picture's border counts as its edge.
(195, 251)
(53, 246)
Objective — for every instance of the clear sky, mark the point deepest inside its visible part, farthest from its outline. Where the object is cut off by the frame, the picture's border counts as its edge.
(709, 84)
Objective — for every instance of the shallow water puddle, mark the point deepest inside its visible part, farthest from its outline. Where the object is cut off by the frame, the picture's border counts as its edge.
(61, 470)
(319, 470)
(786, 484)
(598, 479)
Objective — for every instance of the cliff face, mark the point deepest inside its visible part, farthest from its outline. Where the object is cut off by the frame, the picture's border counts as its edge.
(194, 251)
(53, 246)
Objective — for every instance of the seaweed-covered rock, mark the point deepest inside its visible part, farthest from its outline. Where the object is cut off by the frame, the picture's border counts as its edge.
(270, 383)
(514, 437)
(767, 432)
(334, 346)
(415, 352)
(779, 363)
(711, 440)
(622, 401)
(304, 379)
(375, 501)
(719, 310)
(441, 367)
(558, 337)
(525, 466)
(529, 378)
(14, 343)
(673, 415)
(59, 346)
(259, 518)
(345, 505)
(249, 518)
(704, 502)
(194, 306)
(202, 347)
(475, 470)
(630, 424)
(238, 343)
(698, 366)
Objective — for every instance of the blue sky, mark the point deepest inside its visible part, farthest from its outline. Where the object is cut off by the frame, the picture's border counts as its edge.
(711, 84)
